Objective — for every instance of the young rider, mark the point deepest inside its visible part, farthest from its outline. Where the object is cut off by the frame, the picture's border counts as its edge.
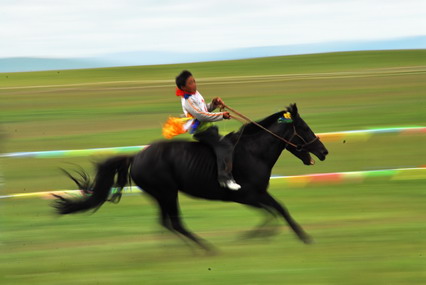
(193, 105)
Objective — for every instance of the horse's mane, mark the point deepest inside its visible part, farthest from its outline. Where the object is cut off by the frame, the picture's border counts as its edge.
(251, 129)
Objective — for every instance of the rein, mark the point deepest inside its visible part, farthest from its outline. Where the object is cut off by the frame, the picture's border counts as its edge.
(240, 117)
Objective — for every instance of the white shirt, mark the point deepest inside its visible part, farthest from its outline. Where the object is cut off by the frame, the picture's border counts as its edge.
(195, 106)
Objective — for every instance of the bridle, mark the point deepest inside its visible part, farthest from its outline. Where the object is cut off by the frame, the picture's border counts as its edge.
(299, 147)
(287, 142)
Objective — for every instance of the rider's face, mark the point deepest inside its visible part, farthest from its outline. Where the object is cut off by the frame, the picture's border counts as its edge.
(191, 85)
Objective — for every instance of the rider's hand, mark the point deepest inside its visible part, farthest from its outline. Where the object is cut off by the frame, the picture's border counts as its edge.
(226, 115)
(218, 101)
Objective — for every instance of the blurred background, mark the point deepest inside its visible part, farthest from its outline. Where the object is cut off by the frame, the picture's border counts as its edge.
(347, 68)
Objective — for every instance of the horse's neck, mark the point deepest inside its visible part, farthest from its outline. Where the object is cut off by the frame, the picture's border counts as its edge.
(265, 146)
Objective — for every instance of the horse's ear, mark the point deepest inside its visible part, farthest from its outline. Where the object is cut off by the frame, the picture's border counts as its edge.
(293, 109)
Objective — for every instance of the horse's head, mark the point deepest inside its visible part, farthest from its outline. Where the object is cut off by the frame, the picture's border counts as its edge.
(303, 140)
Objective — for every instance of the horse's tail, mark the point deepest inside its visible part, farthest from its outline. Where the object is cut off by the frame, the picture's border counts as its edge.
(97, 192)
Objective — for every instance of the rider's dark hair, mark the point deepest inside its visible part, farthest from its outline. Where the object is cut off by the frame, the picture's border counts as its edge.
(181, 78)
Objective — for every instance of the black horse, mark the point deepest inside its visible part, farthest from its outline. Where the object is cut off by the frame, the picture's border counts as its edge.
(166, 167)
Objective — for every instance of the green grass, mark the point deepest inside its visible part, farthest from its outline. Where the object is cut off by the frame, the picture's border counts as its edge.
(370, 233)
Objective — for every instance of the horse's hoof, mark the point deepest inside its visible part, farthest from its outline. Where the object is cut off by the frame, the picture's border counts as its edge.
(307, 239)
(212, 251)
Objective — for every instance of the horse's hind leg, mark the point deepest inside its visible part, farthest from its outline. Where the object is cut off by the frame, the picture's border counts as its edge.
(165, 221)
(268, 201)
(173, 213)
(164, 218)
(170, 216)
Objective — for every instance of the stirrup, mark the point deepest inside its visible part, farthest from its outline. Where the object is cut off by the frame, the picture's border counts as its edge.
(230, 184)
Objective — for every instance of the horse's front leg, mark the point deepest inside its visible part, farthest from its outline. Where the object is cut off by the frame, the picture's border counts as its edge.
(268, 201)
(266, 228)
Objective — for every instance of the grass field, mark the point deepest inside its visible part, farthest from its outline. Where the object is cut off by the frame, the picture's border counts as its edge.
(370, 233)
(373, 233)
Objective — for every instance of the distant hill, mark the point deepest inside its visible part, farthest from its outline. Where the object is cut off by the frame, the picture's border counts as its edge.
(21, 64)
(155, 57)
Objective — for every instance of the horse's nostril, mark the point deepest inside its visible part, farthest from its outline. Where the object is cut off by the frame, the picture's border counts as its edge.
(325, 152)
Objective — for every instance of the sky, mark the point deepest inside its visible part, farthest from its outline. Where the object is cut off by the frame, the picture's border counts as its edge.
(79, 28)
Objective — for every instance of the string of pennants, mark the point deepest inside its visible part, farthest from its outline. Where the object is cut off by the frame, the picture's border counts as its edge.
(325, 137)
